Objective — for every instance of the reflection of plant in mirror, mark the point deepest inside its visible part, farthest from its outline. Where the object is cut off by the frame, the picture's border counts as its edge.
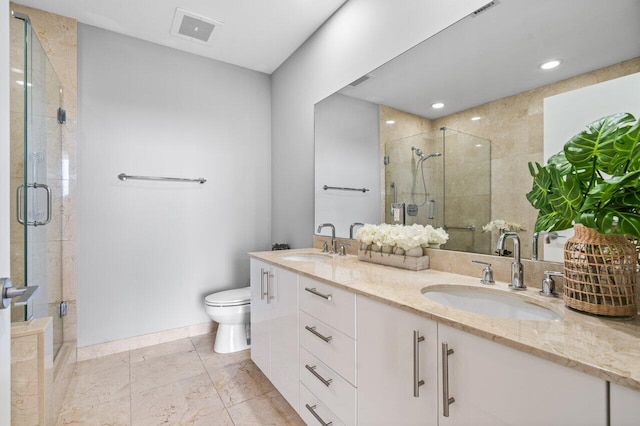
(594, 181)
(502, 225)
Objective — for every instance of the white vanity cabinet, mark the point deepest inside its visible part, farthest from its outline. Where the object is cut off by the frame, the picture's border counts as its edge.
(274, 326)
(327, 354)
(496, 385)
(396, 352)
(625, 406)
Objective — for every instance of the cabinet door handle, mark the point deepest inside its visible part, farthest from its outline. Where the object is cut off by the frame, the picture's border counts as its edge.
(313, 371)
(446, 400)
(269, 289)
(262, 274)
(314, 291)
(416, 363)
(312, 409)
(314, 332)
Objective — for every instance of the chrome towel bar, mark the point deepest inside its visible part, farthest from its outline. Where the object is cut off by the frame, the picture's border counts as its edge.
(345, 189)
(123, 176)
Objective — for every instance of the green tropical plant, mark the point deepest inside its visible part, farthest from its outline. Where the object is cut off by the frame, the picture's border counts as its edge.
(594, 181)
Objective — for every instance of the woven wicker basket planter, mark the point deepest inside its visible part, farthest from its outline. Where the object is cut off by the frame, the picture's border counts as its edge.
(600, 273)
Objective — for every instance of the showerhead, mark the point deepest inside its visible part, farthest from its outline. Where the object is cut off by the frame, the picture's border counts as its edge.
(418, 151)
(435, 154)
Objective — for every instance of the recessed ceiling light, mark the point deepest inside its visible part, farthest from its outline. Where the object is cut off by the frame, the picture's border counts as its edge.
(550, 64)
(390, 121)
(437, 105)
(475, 118)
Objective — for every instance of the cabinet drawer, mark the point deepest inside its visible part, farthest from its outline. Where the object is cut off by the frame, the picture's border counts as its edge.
(335, 349)
(310, 404)
(335, 392)
(333, 305)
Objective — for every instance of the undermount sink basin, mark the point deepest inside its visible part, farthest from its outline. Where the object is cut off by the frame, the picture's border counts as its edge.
(306, 257)
(488, 302)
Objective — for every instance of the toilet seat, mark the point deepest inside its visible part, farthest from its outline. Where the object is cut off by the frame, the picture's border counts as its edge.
(235, 297)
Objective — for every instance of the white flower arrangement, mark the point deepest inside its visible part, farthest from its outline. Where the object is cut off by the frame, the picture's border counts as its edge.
(404, 237)
(502, 225)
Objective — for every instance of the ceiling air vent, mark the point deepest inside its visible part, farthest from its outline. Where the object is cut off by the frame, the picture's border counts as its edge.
(485, 8)
(193, 27)
(360, 80)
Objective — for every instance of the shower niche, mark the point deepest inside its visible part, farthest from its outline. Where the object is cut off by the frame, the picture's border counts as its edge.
(441, 178)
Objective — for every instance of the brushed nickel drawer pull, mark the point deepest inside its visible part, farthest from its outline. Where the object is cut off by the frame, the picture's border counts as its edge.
(313, 371)
(446, 400)
(312, 408)
(314, 291)
(416, 363)
(314, 332)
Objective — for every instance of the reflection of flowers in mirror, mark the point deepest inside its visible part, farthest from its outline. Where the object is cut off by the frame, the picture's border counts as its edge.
(401, 236)
(502, 225)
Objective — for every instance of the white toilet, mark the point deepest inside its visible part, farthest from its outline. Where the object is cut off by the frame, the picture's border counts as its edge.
(231, 310)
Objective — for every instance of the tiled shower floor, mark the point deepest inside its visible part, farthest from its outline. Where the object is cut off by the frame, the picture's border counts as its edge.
(177, 383)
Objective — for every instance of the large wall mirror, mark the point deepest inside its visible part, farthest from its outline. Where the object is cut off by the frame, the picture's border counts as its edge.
(385, 153)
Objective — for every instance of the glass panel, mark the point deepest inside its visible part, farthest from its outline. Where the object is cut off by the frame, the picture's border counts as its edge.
(41, 194)
(443, 178)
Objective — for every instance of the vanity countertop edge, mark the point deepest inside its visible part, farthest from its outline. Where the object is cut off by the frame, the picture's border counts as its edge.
(605, 348)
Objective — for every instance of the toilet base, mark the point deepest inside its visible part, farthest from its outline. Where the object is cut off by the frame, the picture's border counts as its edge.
(231, 338)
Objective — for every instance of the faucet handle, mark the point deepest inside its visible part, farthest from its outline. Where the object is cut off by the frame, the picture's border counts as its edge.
(548, 285)
(325, 247)
(343, 249)
(487, 273)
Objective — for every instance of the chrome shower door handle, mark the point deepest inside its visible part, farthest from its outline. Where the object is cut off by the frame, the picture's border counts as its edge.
(19, 203)
(49, 197)
(19, 200)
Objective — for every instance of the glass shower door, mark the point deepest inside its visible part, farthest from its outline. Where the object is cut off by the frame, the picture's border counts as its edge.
(40, 193)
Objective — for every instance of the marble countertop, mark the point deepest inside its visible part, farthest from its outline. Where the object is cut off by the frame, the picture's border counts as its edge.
(605, 348)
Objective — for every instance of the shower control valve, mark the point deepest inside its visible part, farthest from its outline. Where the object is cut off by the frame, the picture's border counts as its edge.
(8, 292)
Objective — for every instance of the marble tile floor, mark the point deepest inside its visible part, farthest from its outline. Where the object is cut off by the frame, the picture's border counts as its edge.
(178, 383)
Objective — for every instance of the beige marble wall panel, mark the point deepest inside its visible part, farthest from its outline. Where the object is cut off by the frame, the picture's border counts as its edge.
(70, 323)
(58, 36)
(69, 270)
(31, 371)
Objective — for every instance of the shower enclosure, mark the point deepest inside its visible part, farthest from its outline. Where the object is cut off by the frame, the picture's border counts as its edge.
(443, 179)
(37, 177)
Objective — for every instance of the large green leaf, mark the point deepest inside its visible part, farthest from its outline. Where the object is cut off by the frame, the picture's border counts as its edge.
(627, 147)
(612, 221)
(538, 196)
(607, 189)
(565, 195)
(597, 141)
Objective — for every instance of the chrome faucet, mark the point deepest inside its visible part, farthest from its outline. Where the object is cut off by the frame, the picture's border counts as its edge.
(547, 239)
(353, 225)
(333, 235)
(517, 275)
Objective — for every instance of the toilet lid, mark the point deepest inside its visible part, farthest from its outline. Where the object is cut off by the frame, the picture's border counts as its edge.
(235, 297)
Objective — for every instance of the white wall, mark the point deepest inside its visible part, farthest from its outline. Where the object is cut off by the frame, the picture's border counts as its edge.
(149, 252)
(5, 314)
(359, 37)
(347, 127)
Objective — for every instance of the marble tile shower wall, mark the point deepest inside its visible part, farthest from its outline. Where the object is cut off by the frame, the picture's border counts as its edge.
(58, 36)
(514, 125)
